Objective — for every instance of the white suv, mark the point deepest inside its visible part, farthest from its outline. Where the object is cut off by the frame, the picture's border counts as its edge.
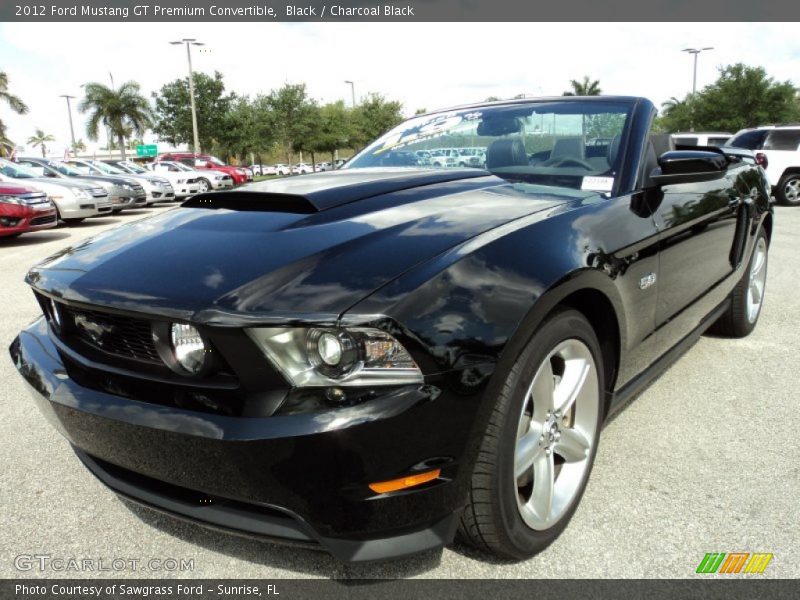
(777, 149)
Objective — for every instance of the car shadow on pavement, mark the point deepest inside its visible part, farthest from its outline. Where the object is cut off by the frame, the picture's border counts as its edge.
(33, 238)
(301, 560)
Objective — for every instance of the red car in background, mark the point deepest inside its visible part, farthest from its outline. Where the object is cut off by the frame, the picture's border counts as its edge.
(206, 161)
(24, 209)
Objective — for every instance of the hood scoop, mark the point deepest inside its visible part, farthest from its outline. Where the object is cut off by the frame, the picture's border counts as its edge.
(307, 194)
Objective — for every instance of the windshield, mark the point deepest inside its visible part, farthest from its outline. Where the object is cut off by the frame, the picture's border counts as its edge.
(64, 168)
(10, 169)
(561, 143)
(134, 168)
(748, 140)
(215, 161)
(108, 169)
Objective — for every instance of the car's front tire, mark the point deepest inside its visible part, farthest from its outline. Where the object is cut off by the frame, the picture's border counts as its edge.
(539, 446)
(204, 185)
(747, 297)
(788, 190)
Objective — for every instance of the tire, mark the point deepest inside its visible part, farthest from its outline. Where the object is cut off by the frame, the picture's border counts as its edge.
(501, 515)
(205, 185)
(73, 221)
(788, 190)
(747, 297)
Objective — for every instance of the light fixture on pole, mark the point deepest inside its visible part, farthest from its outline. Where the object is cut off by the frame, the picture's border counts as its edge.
(71, 128)
(695, 51)
(352, 92)
(189, 43)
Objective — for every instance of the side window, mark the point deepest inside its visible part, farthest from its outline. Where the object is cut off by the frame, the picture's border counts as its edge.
(686, 140)
(783, 139)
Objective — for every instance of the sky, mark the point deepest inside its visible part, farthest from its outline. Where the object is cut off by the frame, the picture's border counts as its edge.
(423, 65)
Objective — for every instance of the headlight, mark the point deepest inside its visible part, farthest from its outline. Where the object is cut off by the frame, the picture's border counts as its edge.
(181, 181)
(127, 188)
(10, 200)
(359, 356)
(217, 177)
(188, 348)
(80, 193)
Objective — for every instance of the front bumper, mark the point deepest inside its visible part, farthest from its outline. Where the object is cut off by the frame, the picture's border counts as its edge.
(14, 219)
(299, 478)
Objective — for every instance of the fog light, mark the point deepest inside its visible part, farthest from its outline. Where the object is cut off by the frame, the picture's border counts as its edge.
(188, 347)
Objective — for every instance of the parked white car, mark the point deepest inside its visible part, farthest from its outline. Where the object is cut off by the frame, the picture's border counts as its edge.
(777, 150)
(73, 199)
(156, 188)
(264, 169)
(302, 169)
(282, 169)
(159, 189)
(192, 181)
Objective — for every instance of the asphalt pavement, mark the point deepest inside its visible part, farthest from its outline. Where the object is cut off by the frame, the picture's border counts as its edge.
(707, 459)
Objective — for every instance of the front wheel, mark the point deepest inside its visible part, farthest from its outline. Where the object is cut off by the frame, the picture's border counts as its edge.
(204, 185)
(538, 449)
(788, 190)
(747, 297)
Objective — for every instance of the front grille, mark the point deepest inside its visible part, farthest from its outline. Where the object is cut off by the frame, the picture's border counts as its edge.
(43, 220)
(122, 336)
(139, 190)
(34, 198)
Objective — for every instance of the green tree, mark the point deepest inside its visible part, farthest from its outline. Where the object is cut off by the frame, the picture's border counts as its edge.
(291, 115)
(742, 96)
(174, 114)
(374, 117)
(332, 129)
(40, 138)
(78, 146)
(124, 111)
(15, 104)
(587, 87)
(239, 134)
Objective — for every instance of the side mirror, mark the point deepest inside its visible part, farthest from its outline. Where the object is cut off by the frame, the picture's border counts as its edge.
(689, 166)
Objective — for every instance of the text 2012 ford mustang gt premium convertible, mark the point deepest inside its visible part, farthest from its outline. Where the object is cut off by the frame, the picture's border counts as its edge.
(374, 359)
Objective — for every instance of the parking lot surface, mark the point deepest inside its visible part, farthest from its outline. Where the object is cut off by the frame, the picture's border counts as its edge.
(707, 459)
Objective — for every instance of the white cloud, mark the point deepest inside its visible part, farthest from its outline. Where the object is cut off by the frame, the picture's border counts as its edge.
(428, 65)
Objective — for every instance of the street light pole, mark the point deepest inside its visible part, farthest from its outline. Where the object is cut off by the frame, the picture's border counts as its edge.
(71, 128)
(695, 52)
(189, 43)
(352, 92)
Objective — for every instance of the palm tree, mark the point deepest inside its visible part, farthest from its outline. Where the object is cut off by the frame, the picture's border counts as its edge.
(39, 139)
(16, 104)
(584, 88)
(124, 111)
(78, 146)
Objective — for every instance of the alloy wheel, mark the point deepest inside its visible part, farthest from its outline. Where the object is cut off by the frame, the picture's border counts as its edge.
(791, 190)
(757, 281)
(556, 434)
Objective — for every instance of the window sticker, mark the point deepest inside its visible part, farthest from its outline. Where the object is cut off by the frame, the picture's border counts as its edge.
(428, 129)
(597, 184)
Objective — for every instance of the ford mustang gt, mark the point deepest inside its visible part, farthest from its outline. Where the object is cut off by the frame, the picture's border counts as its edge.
(374, 360)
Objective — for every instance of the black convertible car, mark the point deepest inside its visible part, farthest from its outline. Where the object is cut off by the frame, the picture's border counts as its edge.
(375, 359)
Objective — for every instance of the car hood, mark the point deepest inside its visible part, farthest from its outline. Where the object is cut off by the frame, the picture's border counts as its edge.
(84, 185)
(113, 179)
(303, 247)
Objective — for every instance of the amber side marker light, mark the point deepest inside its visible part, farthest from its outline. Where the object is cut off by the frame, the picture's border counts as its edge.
(394, 485)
